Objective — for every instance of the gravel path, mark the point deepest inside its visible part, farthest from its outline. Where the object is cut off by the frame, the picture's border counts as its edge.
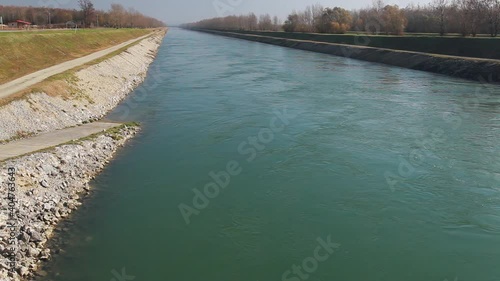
(43, 141)
(48, 187)
(94, 91)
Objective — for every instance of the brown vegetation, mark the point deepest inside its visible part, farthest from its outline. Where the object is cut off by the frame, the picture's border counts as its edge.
(464, 17)
(87, 16)
(44, 49)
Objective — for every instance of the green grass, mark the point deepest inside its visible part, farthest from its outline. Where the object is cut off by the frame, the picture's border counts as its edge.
(24, 52)
(478, 47)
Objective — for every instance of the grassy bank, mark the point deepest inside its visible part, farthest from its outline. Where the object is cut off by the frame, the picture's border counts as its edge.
(482, 47)
(26, 52)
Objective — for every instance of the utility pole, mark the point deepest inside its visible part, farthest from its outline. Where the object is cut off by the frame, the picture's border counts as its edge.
(97, 20)
(50, 22)
(1, 17)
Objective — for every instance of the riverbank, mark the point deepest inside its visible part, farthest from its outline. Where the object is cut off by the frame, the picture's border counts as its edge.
(47, 185)
(35, 50)
(472, 47)
(78, 97)
(483, 70)
(343, 165)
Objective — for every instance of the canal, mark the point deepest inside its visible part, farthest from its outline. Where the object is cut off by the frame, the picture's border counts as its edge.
(258, 162)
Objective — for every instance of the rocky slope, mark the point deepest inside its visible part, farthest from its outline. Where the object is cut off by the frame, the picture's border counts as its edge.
(48, 186)
(38, 191)
(91, 93)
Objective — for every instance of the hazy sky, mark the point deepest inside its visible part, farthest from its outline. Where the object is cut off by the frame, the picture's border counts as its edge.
(182, 11)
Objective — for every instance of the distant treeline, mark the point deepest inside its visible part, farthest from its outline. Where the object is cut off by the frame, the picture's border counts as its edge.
(465, 17)
(247, 22)
(117, 16)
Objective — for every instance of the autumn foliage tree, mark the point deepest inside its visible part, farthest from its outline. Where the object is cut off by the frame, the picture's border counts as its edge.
(86, 17)
(336, 20)
(465, 17)
(394, 20)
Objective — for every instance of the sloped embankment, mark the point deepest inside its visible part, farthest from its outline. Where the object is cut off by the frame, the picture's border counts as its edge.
(47, 188)
(27, 52)
(41, 189)
(484, 70)
(80, 97)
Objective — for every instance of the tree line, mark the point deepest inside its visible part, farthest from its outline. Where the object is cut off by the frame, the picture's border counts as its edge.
(465, 17)
(242, 22)
(87, 16)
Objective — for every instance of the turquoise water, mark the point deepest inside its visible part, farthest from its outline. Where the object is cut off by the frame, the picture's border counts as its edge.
(399, 169)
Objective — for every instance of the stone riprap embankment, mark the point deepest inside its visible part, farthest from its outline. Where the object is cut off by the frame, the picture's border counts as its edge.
(93, 92)
(48, 187)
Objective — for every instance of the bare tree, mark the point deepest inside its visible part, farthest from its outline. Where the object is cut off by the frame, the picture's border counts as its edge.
(462, 7)
(60, 17)
(252, 21)
(475, 10)
(471, 16)
(440, 8)
(317, 11)
(117, 15)
(468, 17)
(88, 11)
(307, 17)
(492, 8)
(276, 23)
(265, 22)
(372, 18)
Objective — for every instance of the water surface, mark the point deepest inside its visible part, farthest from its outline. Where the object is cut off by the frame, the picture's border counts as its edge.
(399, 167)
